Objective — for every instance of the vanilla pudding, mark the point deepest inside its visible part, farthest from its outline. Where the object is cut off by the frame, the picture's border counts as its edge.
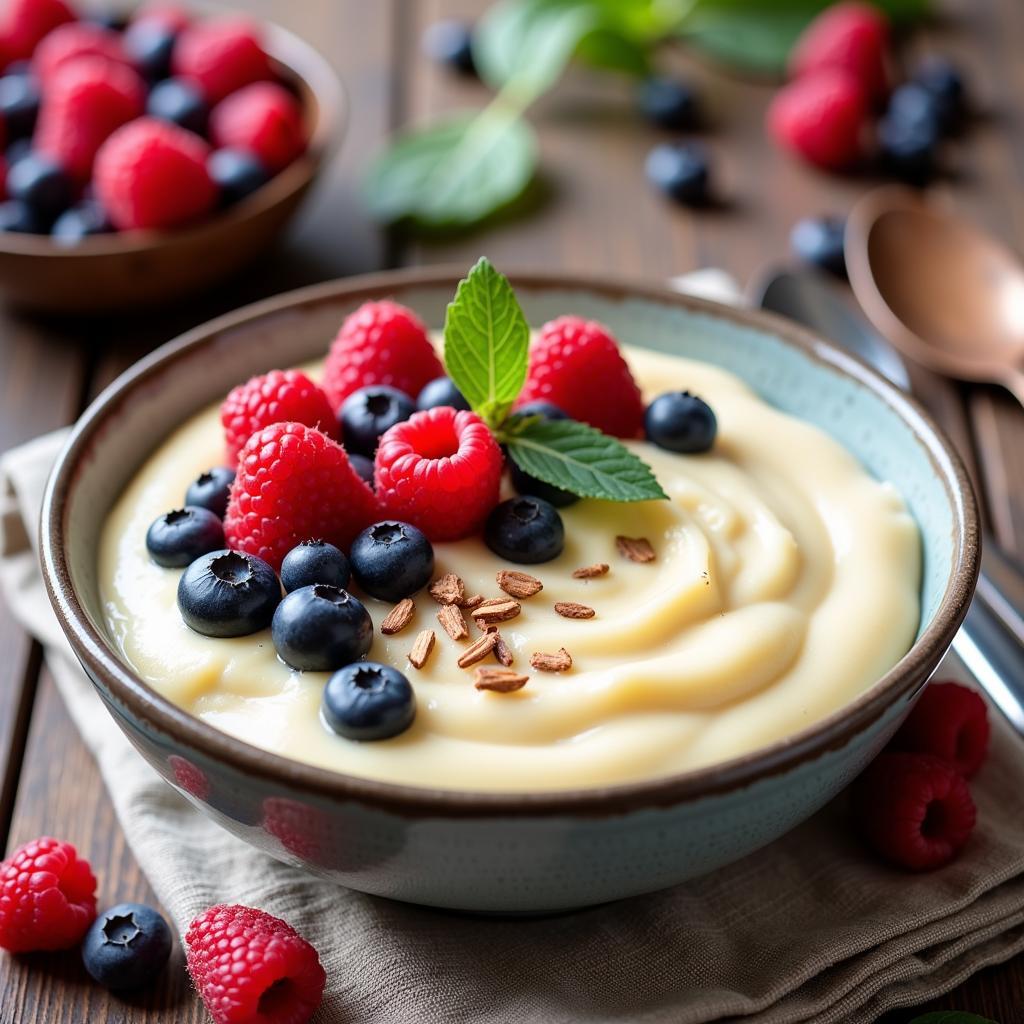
(785, 583)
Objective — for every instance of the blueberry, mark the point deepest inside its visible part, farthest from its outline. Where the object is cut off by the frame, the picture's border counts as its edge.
(363, 466)
(440, 391)
(368, 412)
(368, 701)
(680, 170)
(15, 216)
(114, 20)
(180, 537)
(521, 480)
(913, 105)
(314, 561)
(680, 422)
(944, 81)
(451, 42)
(237, 173)
(211, 490)
(548, 410)
(819, 241)
(83, 220)
(392, 560)
(907, 149)
(179, 101)
(525, 530)
(228, 593)
(18, 149)
(669, 103)
(321, 628)
(41, 183)
(150, 44)
(19, 104)
(127, 946)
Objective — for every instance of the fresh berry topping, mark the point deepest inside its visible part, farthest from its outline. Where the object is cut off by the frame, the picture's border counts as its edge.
(380, 343)
(669, 103)
(294, 483)
(151, 174)
(546, 410)
(77, 39)
(211, 490)
(680, 422)
(321, 628)
(914, 810)
(180, 537)
(228, 593)
(440, 391)
(149, 45)
(41, 184)
(180, 102)
(450, 42)
(19, 105)
(83, 221)
(368, 701)
(275, 397)
(852, 37)
(127, 946)
(576, 365)
(19, 217)
(821, 118)
(367, 413)
(819, 242)
(315, 561)
(525, 530)
(526, 484)
(236, 173)
(949, 721)
(364, 467)
(222, 55)
(263, 118)
(392, 560)
(47, 897)
(252, 968)
(680, 170)
(440, 471)
(25, 23)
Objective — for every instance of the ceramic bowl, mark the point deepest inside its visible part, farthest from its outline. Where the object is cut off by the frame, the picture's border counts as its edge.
(147, 268)
(499, 852)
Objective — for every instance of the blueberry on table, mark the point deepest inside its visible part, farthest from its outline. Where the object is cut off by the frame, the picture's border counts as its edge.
(368, 701)
(526, 530)
(819, 241)
(680, 422)
(237, 173)
(450, 42)
(179, 101)
(211, 490)
(440, 391)
(943, 79)
(392, 560)
(19, 104)
(314, 561)
(18, 217)
(368, 412)
(82, 221)
(321, 628)
(363, 466)
(149, 44)
(668, 103)
(680, 170)
(178, 538)
(907, 149)
(42, 184)
(228, 593)
(912, 105)
(127, 946)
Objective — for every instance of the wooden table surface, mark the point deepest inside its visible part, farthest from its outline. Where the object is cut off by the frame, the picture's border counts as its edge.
(600, 216)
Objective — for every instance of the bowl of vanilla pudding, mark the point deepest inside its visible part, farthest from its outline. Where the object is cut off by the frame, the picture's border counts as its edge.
(744, 648)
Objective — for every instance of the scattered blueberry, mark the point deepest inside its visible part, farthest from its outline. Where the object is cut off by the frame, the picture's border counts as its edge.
(907, 150)
(392, 560)
(525, 530)
(451, 42)
(944, 80)
(180, 537)
(80, 222)
(150, 44)
(211, 490)
(440, 391)
(16, 216)
(363, 466)
(368, 412)
(127, 946)
(321, 628)
(680, 170)
(19, 67)
(548, 410)
(19, 104)
(41, 183)
(680, 422)
(521, 480)
(819, 241)
(228, 593)
(114, 20)
(179, 101)
(669, 103)
(315, 561)
(368, 701)
(913, 105)
(17, 149)
(237, 173)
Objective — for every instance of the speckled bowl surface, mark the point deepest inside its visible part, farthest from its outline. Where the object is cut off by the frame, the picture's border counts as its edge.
(508, 852)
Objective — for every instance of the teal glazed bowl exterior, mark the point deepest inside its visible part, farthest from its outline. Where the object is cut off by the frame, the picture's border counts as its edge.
(509, 852)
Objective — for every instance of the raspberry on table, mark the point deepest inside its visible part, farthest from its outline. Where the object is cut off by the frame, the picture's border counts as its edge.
(26, 22)
(76, 39)
(440, 470)
(263, 118)
(576, 365)
(294, 483)
(380, 343)
(221, 55)
(949, 721)
(274, 397)
(47, 897)
(252, 968)
(914, 809)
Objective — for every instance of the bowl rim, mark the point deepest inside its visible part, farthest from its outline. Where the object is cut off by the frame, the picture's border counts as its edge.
(832, 732)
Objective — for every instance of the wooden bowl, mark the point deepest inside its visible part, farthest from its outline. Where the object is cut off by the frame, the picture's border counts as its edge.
(109, 273)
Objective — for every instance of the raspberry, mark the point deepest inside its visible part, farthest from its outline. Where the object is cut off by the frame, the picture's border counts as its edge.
(949, 721)
(252, 968)
(169, 16)
(440, 471)
(915, 810)
(380, 343)
(77, 39)
(851, 36)
(221, 55)
(576, 364)
(263, 118)
(820, 117)
(274, 398)
(26, 22)
(89, 98)
(152, 174)
(294, 483)
(47, 897)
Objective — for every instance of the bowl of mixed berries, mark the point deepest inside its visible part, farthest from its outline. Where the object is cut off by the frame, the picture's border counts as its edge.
(150, 154)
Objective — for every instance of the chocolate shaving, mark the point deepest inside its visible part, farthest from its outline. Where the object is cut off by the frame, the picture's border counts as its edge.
(560, 662)
(588, 572)
(519, 584)
(497, 609)
(452, 621)
(398, 618)
(500, 680)
(449, 589)
(421, 648)
(636, 549)
(574, 610)
(502, 651)
(478, 650)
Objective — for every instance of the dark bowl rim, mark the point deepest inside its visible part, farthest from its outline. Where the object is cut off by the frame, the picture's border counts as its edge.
(98, 655)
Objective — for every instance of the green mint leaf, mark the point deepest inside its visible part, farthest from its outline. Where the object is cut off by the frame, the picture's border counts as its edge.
(486, 338)
(580, 459)
(951, 1017)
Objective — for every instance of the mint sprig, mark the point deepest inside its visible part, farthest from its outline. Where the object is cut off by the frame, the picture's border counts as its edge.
(486, 340)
